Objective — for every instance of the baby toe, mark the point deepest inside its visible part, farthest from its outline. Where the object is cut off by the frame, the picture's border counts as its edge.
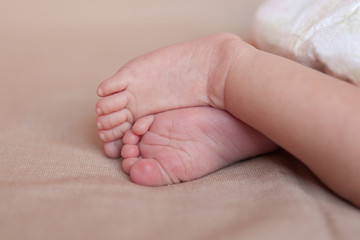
(114, 133)
(130, 151)
(113, 149)
(112, 103)
(115, 119)
(131, 138)
(115, 84)
(143, 125)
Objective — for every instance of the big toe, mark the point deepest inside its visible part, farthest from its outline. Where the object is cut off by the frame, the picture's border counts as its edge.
(114, 84)
(148, 172)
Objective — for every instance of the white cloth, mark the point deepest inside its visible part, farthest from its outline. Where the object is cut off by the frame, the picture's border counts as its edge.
(322, 34)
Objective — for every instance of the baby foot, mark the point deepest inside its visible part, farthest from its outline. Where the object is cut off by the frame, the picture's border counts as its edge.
(111, 128)
(183, 75)
(185, 144)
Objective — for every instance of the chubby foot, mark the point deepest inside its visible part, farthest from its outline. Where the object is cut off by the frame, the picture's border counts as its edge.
(182, 75)
(185, 144)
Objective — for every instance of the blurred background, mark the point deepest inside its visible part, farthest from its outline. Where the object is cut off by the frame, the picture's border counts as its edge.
(80, 41)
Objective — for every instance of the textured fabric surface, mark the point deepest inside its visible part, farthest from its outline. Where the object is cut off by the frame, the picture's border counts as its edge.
(55, 182)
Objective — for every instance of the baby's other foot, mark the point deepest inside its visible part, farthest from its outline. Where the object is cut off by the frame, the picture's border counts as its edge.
(185, 144)
(182, 75)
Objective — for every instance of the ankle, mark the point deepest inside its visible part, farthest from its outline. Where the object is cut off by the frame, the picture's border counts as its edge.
(243, 61)
(242, 56)
(232, 53)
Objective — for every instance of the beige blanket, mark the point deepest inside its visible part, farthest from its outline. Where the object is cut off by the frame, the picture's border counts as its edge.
(55, 182)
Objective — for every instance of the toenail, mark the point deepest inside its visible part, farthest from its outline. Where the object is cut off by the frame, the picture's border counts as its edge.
(99, 111)
(99, 125)
(100, 92)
